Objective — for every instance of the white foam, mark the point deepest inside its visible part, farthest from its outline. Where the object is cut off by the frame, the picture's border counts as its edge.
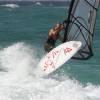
(11, 5)
(19, 82)
(38, 3)
(17, 60)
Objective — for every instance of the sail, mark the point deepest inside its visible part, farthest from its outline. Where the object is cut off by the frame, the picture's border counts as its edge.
(80, 25)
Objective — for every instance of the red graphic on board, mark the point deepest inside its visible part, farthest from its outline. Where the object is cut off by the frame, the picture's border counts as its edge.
(67, 50)
(50, 59)
(50, 62)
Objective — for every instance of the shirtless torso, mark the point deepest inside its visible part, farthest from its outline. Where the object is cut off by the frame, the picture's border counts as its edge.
(54, 32)
(53, 36)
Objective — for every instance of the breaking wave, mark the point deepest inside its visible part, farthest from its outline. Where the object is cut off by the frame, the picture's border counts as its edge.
(18, 82)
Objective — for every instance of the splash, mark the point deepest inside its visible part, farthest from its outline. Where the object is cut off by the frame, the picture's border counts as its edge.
(11, 5)
(17, 80)
(38, 3)
(18, 60)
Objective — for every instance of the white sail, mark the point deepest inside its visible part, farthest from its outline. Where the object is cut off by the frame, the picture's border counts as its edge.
(80, 25)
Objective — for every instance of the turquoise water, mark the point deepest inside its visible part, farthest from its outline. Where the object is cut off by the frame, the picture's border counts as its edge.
(23, 31)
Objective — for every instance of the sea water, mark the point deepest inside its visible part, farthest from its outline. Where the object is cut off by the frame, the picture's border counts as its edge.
(23, 31)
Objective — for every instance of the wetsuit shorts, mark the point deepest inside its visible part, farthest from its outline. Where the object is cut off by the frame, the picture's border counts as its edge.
(51, 41)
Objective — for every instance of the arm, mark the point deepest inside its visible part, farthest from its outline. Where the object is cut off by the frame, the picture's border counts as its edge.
(61, 27)
(61, 37)
(58, 30)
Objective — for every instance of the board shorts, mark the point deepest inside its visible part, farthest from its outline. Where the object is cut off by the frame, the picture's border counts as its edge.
(51, 41)
(49, 44)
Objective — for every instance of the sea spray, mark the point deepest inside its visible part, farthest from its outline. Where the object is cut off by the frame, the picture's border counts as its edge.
(19, 82)
(18, 60)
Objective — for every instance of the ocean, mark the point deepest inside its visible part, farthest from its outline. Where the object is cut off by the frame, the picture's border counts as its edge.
(23, 31)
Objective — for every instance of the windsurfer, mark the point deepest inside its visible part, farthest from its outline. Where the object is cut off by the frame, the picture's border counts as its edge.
(53, 36)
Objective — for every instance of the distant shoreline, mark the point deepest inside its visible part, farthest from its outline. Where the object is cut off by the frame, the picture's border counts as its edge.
(57, 3)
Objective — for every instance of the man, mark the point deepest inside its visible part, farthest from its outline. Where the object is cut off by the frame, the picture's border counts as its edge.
(53, 36)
